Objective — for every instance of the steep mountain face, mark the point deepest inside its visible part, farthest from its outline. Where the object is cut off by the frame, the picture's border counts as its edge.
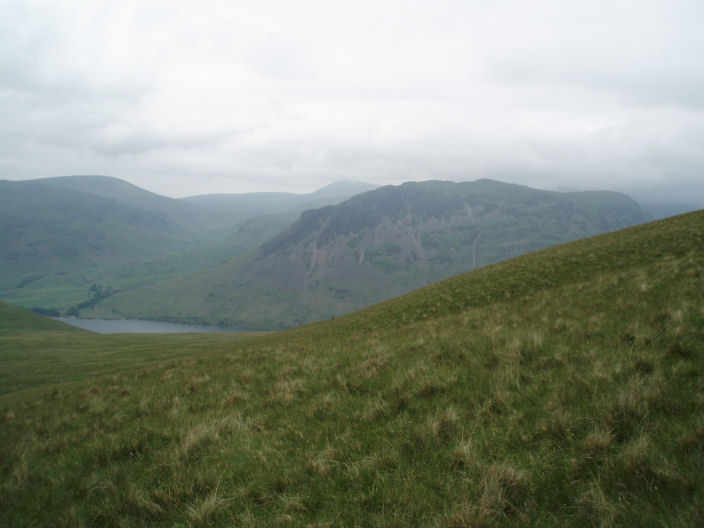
(387, 242)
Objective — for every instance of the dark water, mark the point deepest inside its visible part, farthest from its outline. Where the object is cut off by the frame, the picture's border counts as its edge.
(138, 326)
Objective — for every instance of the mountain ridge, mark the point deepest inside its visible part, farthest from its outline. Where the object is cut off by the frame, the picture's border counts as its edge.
(60, 236)
(381, 244)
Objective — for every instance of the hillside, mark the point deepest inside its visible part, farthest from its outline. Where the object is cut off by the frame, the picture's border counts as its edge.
(48, 227)
(17, 320)
(36, 351)
(120, 191)
(55, 225)
(375, 246)
(561, 388)
(60, 236)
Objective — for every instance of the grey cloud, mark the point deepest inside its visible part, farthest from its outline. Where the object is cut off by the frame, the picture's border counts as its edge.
(230, 97)
(646, 51)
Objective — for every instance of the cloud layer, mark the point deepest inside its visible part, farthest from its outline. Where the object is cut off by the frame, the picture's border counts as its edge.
(192, 97)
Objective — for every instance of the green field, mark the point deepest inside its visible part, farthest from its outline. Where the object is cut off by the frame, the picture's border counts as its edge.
(561, 388)
(31, 359)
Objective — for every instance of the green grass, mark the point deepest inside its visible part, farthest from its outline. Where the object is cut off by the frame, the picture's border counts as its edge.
(563, 388)
(29, 361)
(18, 322)
(36, 351)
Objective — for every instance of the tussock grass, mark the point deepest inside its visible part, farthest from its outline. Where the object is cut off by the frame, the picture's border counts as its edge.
(575, 400)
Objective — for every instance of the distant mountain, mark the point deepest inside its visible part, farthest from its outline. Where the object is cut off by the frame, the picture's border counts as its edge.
(59, 236)
(56, 228)
(342, 189)
(218, 213)
(114, 189)
(381, 244)
(243, 207)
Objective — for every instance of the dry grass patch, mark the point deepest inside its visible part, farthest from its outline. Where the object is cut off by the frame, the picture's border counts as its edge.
(464, 456)
(642, 463)
(439, 428)
(137, 500)
(594, 507)
(202, 512)
(597, 442)
(633, 403)
(323, 462)
(209, 431)
(503, 496)
(287, 390)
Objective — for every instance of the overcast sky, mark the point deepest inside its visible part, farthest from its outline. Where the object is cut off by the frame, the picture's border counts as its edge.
(194, 97)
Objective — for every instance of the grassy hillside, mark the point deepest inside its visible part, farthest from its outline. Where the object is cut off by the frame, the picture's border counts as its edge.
(376, 246)
(36, 351)
(45, 228)
(16, 320)
(562, 388)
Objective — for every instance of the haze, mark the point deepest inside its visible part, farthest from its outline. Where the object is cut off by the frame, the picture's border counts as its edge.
(186, 98)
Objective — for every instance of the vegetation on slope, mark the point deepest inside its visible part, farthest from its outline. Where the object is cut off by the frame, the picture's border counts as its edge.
(376, 246)
(36, 351)
(60, 236)
(563, 388)
(15, 320)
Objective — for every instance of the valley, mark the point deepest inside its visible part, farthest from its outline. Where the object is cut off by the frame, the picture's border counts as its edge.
(351, 264)
(270, 261)
(555, 383)
(61, 238)
(558, 388)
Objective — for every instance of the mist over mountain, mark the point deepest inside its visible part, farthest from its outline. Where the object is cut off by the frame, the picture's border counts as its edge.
(245, 206)
(659, 210)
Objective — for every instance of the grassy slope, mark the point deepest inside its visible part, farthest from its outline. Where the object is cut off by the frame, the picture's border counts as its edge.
(563, 388)
(16, 321)
(36, 351)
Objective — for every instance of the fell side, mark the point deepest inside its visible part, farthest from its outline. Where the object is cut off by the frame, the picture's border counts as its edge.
(562, 388)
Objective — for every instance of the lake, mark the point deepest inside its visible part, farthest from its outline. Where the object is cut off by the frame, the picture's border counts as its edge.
(139, 326)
